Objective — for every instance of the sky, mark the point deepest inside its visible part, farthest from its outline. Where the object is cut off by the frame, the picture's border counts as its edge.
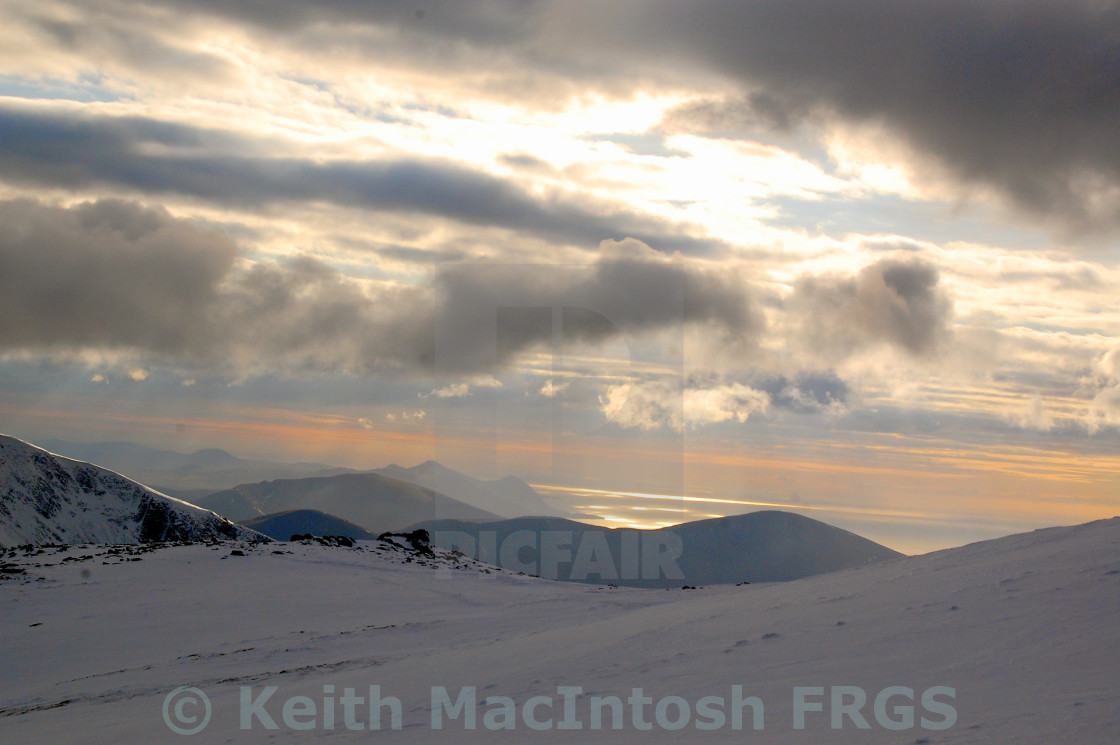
(663, 260)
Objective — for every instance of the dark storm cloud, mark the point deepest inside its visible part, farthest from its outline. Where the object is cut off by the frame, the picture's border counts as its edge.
(491, 312)
(1019, 95)
(1023, 96)
(733, 118)
(495, 22)
(122, 34)
(900, 303)
(105, 274)
(55, 149)
(113, 275)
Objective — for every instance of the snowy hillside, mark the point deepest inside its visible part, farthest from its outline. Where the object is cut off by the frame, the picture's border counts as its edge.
(45, 498)
(1008, 641)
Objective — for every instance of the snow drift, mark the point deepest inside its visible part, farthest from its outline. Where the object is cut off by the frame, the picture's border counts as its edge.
(1022, 630)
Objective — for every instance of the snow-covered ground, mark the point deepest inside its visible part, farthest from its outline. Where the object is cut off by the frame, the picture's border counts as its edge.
(1025, 631)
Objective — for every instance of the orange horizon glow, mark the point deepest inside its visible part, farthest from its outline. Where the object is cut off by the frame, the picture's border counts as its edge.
(1004, 483)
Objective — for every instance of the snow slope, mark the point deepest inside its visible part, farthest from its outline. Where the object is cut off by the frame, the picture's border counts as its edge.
(45, 498)
(1023, 629)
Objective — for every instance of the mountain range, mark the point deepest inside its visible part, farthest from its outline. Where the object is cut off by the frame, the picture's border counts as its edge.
(507, 497)
(51, 499)
(194, 476)
(376, 503)
(184, 475)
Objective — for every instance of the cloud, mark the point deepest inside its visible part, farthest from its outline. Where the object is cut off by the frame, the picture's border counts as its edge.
(421, 255)
(134, 41)
(652, 405)
(414, 415)
(807, 393)
(647, 406)
(1033, 415)
(739, 117)
(78, 151)
(462, 390)
(723, 403)
(551, 389)
(1020, 97)
(1016, 96)
(525, 161)
(490, 312)
(106, 274)
(115, 275)
(895, 302)
(139, 374)
(1104, 411)
(455, 390)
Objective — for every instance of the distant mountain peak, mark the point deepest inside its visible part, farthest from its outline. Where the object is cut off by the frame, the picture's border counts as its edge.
(433, 466)
(214, 458)
(375, 501)
(508, 497)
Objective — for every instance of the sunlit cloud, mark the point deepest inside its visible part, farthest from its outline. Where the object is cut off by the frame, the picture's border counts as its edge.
(652, 405)
(455, 390)
(551, 390)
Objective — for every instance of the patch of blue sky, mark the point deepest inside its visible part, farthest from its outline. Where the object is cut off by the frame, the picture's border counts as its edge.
(86, 89)
(639, 143)
(382, 112)
(440, 109)
(319, 85)
(936, 222)
(1054, 328)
